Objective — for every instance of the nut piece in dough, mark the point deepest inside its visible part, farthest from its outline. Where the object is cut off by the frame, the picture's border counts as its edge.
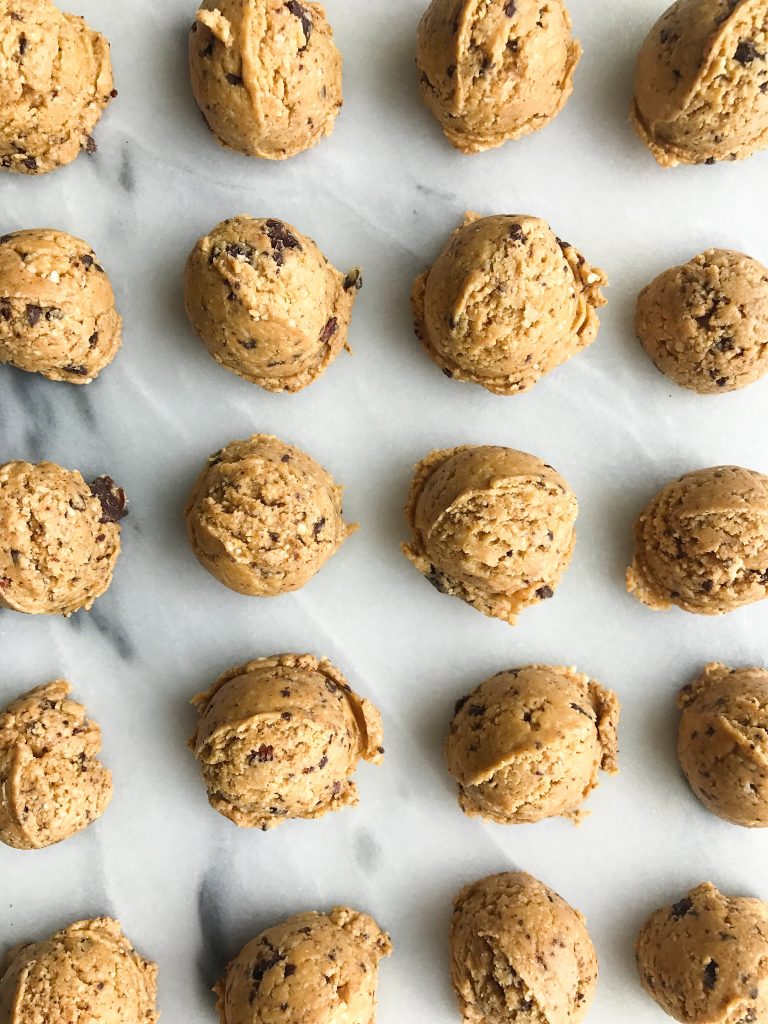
(702, 543)
(55, 81)
(495, 71)
(88, 973)
(266, 74)
(280, 738)
(701, 82)
(528, 744)
(266, 302)
(492, 526)
(506, 302)
(311, 969)
(59, 537)
(57, 307)
(704, 959)
(519, 952)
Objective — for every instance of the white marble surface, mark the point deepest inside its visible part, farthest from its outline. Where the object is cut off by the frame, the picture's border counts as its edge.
(382, 192)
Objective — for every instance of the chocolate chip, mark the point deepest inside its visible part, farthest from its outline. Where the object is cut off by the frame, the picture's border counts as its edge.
(317, 528)
(90, 144)
(447, 372)
(353, 280)
(710, 161)
(86, 260)
(764, 87)
(54, 314)
(438, 581)
(281, 239)
(708, 586)
(112, 498)
(580, 709)
(680, 909)
(516, 233)
(322, 762)
(30, 163)
(724, 345)
(263, 755)
(459, 704)
(330, 686)
(450, 70)
(710, 974)
(113, 94)
(746, 52)
(513, 45)
(5, 312)
(476, 710)
(233, 79)
(4, 583)
(286, 716)
(545, 592)
(33, 314)
(299, 11)
(266, 963)
(285, 458)
(77, 370)
(721, 382)
(289, 970)
(249, 343)
(510, 7)
(329, 330)
(22, 44)
(208, 48)
(527, 716)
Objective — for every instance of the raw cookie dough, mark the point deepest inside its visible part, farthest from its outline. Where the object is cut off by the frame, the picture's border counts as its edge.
(506, 302)
(528, 744)
(705, 323)
(266, 74)
(311, 969)
(701, 82)
(59, 537)
(263, 517)
(702, 543)
(88, 973)
(55, 81)
(705, 959)
(519, 952)
(280, 738)
(492, 526)
(266, 302)
(495, 71)
(57, 308)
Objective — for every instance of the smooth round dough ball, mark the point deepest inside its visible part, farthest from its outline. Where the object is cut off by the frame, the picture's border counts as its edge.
(506, 302)
(528, 744)
(492, 526)
(267, 304)
(519, 952)
(57, 307)
(495, 71)
(263, 517)
(266, 74)
(704, 958)
(55, 81)
(702, 543)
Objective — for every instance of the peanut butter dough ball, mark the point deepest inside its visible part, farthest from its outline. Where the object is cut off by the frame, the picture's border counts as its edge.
(266, 74)
(497, 70)
(506, 302)
(266, 302)
(702, 543)
(519, 952)
(492, 526)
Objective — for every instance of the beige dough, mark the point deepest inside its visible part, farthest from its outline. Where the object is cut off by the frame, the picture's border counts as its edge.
(492, 526)
(701, 82)
(59, 538)
(702, 543)
(57, 308)
(705, 958)
(528, 744)
(55, 81)
(506, 302)
(705, 323)
(266, 302)
(311, 969)
(495, 71)
(519, 952)
(266, 74)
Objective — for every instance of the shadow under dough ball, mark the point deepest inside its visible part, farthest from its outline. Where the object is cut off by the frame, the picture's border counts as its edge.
(266, 74)
(702, 543)
(495, 71)
(506, 302)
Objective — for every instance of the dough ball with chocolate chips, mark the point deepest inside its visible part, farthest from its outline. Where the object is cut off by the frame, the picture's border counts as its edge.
(55, 81)
(495, 71)
(266, 302)
(519, 952)
(506, 302)
(702, 543)
(57, 308)
(266, 74)
(492, 526)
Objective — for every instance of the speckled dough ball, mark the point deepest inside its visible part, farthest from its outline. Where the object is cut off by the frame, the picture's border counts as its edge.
(492, 526)
(266, 74)
(506, 302)
(519, 952)
(497, 70)
(702, 543)
(266, 302)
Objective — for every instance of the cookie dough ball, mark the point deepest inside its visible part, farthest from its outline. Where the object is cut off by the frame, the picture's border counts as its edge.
(520, 952)
(266, 74)
(495, 71)
(506, 302)
(55, 81)
(59, 537)
(88, 973)
(492, 526)
(266, 302)
(702, 543)
(703, 959)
